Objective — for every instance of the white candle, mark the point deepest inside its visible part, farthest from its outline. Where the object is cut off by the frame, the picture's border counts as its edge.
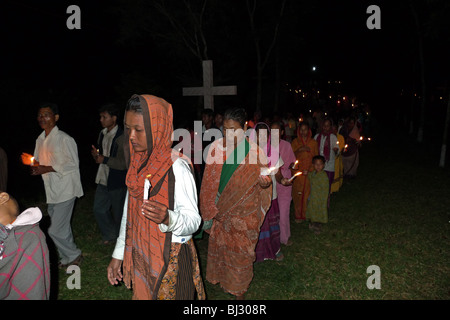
(147, 186)
(295, 164)
(267, 171)
(292, 178)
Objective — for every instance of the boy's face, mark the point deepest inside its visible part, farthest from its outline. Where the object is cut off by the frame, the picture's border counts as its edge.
(218, 119)
(9, 209)
(318, 165)
(206, 119)
(107, 120)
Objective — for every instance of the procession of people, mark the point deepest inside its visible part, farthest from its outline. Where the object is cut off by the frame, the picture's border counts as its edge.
(153, 201)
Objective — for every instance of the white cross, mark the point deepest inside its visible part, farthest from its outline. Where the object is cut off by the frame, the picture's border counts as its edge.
(208, 91)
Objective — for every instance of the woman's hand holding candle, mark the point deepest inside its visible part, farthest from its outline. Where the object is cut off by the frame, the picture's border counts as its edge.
(155, 211)
(264, 181)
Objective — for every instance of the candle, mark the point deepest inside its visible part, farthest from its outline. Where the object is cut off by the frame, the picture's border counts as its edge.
(267, 171)
(147, 186)
(293, 177)
(295, 164)
(29, 160)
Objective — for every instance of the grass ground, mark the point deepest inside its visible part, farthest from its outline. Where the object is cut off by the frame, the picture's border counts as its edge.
(395, 215)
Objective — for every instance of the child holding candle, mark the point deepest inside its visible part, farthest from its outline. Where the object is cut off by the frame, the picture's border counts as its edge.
(317, 210)
(24, 256)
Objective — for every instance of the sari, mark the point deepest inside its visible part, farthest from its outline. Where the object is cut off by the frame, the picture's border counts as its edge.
(237, 213)
(269, 244)
(338, 166)
(301, 186)
(350, 158)
(152, 263)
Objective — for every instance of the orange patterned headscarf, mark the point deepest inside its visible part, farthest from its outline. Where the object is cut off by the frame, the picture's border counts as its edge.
(146, 247)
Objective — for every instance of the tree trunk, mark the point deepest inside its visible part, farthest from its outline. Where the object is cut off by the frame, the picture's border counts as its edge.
(423, 85)
(259, 88)
(444, 138)
(421, 71)
(277, 81)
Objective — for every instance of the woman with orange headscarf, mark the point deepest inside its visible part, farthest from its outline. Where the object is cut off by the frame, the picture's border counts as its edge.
(305, 148)
(155, 242)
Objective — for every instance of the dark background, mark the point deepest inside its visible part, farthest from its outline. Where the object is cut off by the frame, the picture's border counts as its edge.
(118, 52)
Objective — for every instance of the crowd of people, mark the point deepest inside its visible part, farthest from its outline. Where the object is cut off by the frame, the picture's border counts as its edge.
(152, 201)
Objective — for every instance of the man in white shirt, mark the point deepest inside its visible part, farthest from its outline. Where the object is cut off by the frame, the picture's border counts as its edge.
(111, 174)
(57, 156)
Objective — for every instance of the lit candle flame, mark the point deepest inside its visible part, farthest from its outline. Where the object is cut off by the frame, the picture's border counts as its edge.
(293, 177)
(29, 160)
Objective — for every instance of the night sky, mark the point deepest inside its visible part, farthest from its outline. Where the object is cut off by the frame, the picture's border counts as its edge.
(42, 60)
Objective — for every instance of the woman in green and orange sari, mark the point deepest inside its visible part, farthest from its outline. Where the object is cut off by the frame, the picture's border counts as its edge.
(234, 199)
(305, 148)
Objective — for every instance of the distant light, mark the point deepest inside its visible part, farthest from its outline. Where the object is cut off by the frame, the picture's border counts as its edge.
(440, 98)
(343, 98)
(314, 68)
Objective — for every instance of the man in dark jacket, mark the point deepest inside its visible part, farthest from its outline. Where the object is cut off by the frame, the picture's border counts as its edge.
(110, 179)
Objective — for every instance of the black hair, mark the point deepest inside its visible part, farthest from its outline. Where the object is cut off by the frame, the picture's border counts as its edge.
(318, 157)
(277, 123)
(304, 123)
(328, 119)
(110, 108)
(53, 106)
(260, 126)
(236, 114)
(208, 112)
(134, 104)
